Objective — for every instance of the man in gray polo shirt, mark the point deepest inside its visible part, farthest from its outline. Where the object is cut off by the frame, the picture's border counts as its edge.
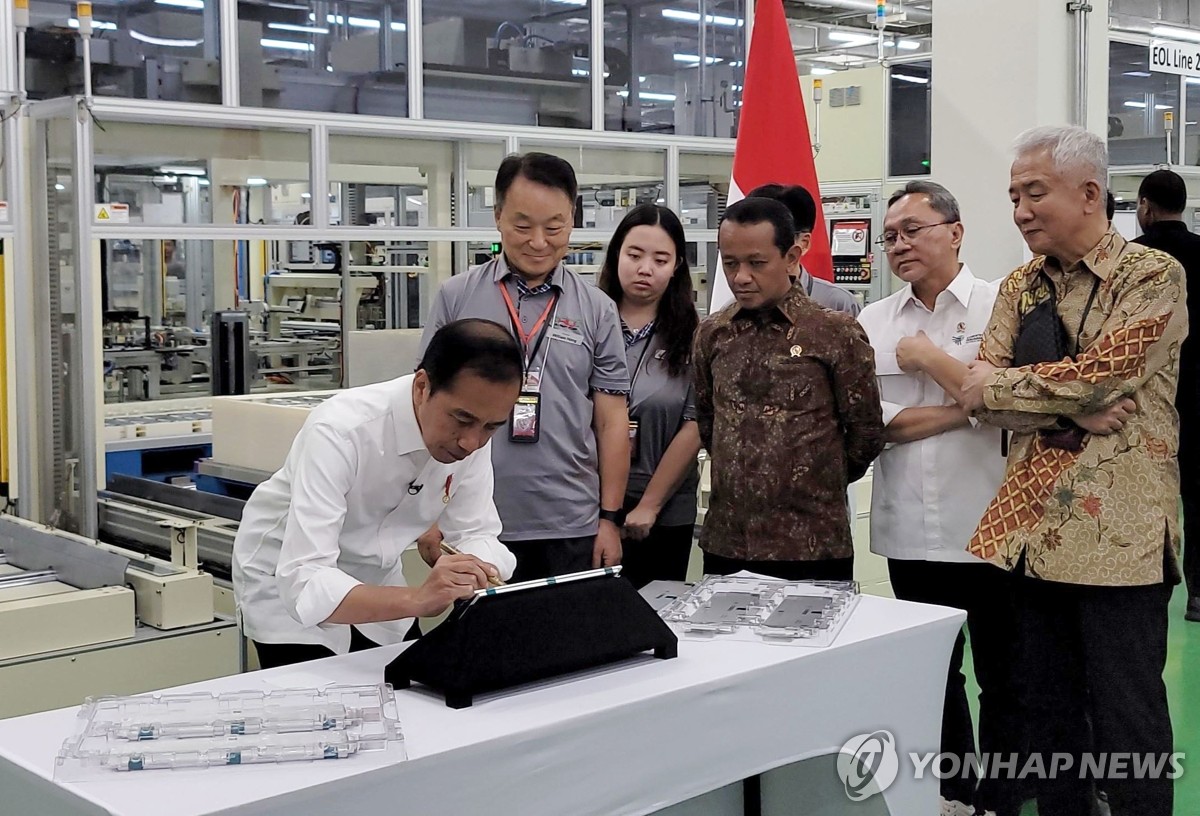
(562, 464)
(803, 208)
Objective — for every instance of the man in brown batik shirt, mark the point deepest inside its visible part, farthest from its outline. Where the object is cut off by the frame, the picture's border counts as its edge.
(788, 408)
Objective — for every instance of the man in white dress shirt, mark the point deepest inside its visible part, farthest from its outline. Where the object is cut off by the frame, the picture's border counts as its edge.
(940, 470)
(316, 561)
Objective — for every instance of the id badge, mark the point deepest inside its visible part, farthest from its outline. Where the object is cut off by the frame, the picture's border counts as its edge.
(634, 447)
(526, 418)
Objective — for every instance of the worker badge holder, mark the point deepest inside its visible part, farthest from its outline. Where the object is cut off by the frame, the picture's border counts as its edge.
(764, 610)
(531, 631)
(526, 422)
(120, 735)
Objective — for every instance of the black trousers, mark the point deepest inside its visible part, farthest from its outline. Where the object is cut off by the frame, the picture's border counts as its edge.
(274, 655)
(1093, 659)
(1189, 490)
(985, 593)
(661, 556)
(551, 556)
(829, 569)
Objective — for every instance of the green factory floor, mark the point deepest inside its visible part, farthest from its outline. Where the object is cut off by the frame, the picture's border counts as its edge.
(1183, 691)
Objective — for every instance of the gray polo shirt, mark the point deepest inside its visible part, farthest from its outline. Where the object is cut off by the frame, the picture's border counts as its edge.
(829, 295)
(550, 488)
(661, 404)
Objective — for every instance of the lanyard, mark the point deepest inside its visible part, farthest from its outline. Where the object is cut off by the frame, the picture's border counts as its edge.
(641, 358)
(539, 328)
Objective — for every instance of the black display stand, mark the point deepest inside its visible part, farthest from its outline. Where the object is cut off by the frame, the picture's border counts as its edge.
(531, 634)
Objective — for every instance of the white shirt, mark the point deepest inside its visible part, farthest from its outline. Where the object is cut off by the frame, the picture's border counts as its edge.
(928, 496)
(341, 510)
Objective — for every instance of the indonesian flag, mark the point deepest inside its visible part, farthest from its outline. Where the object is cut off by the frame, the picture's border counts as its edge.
(773, 142)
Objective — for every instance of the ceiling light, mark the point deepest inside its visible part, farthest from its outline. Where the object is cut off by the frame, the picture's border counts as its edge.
(840, 59)
(256, 182)
(194, 5)
(298, 28)
(909, 45)
(694, 17)
(822, 71)
(1162, 107)
(146, 38)
(1132, 104)
(649, 96)
(59, 187)
(287, 45)
(356, 22)
(910, 78)
(98, 24)
(1137, 73)
(851, 40)
(695, 60)
(1176, 33)
(203, 182)
(182, 170)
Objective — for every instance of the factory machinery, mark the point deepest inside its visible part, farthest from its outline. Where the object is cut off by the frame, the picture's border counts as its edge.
(82, 616)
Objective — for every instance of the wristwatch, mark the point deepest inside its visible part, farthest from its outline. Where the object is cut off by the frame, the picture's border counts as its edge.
(617, 517)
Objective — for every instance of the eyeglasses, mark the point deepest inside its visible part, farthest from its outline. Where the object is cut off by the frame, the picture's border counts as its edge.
(888, 239)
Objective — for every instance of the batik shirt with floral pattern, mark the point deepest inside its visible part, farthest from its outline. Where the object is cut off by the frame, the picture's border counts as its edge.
(1103, 515)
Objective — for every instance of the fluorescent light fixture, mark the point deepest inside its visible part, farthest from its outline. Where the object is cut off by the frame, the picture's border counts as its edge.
(850, 38)
(96, 24)
(693, 59)
(298, 28)
(287, 45)
(909, 45)
(648, 96)
(59, 187)
(203, 182)
(910, 78)
(1162, 107)
(1193, 80)
(822, 71)
(1176, 33)
(146, 38)
(694, 17)
(571, 2)
(256, 182)
(356, 22)
(195, 5)
(1136, 73)
(306, 195)
(1132, 104)
(182, 170)
(840, 59)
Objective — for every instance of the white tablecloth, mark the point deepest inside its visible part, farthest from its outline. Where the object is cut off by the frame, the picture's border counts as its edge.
(629, 739)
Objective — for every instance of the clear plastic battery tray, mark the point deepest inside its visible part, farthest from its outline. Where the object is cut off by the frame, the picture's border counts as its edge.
(171, 731)
(799, 613)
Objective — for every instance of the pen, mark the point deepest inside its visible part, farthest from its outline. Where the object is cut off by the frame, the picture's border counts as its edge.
(448, 550)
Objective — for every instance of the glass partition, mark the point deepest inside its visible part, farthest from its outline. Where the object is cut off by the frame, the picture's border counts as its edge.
(703, 187)
(675, 66)
(517, 62)
(611, 180)
(166, 49)
(1137, 100)
(183, 174)
(344, 57)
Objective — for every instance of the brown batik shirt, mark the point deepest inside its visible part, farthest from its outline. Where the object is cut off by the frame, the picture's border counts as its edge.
(1103, 515)
(789, 411)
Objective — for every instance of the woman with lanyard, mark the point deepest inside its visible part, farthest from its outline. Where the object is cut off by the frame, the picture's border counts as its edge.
(646, 273)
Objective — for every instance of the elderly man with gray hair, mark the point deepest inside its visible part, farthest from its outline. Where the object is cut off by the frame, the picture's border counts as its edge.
(1080, 362)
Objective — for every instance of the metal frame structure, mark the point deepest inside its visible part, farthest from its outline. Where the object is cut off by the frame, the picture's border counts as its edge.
(320, 128)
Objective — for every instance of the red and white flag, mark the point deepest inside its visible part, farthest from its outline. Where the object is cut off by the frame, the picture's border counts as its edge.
(773, 142)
